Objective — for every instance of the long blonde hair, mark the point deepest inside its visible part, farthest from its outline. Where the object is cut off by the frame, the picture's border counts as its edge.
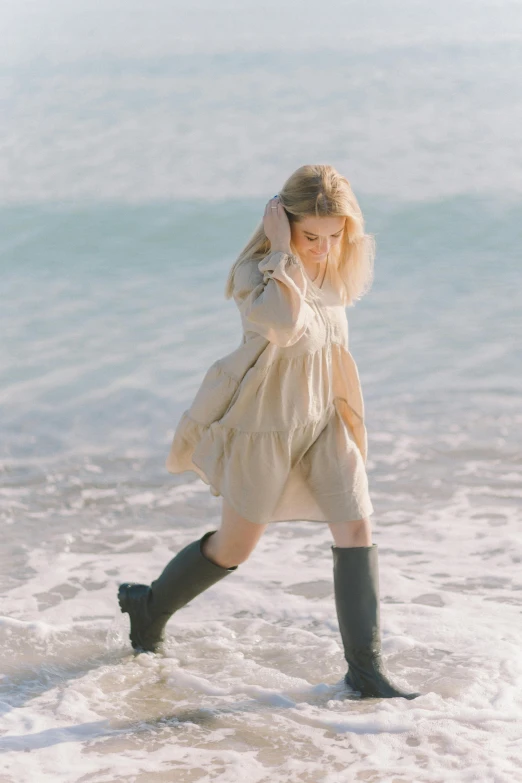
(320, 190)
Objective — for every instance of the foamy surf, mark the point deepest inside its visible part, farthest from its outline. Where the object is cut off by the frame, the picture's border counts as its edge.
(114, 254)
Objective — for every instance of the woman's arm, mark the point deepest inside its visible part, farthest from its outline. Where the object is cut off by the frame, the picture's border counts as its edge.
(271, 297)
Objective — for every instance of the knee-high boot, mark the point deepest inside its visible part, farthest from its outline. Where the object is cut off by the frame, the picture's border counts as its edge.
(149, 608)
(356, 587)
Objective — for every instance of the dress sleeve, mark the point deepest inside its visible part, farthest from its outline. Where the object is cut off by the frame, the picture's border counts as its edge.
(270, 296)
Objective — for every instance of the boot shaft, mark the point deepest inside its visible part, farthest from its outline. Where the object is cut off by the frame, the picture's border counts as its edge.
(184, 577)
(356, 585)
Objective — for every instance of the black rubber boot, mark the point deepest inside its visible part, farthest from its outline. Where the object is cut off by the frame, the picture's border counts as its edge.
(356, 585)
(187, 575)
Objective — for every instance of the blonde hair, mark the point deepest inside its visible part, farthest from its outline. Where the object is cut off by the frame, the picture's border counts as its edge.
(320, 190)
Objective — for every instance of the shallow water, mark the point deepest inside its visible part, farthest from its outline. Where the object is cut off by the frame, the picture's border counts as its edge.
(112, 309)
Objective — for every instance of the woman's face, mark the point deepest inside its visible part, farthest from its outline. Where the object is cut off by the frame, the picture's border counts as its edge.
(314, 237)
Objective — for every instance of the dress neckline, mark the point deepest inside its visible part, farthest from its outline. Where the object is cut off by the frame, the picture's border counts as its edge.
(327, 293)
(322, 288)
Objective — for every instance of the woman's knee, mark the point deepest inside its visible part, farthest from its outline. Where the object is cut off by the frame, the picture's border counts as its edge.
(357, 532)
(235, 540)
(227, 552)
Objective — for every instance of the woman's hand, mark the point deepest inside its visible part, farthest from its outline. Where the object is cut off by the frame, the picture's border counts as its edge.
(277, 226)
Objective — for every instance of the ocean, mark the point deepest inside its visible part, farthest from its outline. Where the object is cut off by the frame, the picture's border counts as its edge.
(140, 145)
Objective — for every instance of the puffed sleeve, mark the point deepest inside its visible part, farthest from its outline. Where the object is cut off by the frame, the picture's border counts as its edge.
(270, 296)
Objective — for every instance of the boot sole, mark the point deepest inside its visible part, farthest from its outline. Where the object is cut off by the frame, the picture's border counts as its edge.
(125, 609)
(122, 600)
(135, 638)
(389, 692)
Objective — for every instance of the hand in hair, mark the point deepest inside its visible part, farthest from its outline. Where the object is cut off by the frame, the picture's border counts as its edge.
(277, 226)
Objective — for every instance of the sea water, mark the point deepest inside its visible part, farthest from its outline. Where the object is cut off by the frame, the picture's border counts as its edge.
(140, 147)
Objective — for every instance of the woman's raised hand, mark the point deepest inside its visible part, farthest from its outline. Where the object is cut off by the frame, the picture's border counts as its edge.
(277, 226)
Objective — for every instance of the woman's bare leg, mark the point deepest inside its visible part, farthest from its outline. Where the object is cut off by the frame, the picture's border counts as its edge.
(235, 540)
(358, 532)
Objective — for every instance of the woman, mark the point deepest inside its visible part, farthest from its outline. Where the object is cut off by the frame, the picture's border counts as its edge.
(277, 426)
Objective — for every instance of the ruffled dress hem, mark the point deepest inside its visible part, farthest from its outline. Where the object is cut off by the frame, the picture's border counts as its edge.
(240, 466)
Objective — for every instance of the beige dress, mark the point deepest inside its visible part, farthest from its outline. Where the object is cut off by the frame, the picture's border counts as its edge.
(277, 426)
